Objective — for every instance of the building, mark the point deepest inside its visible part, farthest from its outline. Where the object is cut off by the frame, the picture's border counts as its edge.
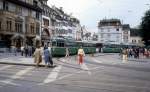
(30, 22)
(47, 27)
(65, 25)
(95, 37)
(110, 31)
(126, 34)
(20, 21)
(79, 33)
(135, 38)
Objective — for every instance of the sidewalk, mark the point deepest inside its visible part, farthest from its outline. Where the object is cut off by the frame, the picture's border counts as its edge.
(9, 58)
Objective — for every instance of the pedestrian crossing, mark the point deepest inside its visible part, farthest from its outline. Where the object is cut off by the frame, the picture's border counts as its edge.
(5, 67)
(53, 75)
(13, 74)
(7, 77)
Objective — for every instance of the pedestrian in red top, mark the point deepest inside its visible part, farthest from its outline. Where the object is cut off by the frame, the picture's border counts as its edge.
(81, 54)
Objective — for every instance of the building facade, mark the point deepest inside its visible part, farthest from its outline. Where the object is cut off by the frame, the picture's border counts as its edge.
(47, 27)
(30, 22)
(135, 38)
(110, 31)
(65, 25)
(126, 34)
(20, 21)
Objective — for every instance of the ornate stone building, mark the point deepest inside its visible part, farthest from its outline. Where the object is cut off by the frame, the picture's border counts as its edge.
(30, 22)
(47, 27)
(65, 25)
(20, 21)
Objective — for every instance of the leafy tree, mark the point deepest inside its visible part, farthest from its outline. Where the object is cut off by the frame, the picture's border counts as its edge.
(145, 28)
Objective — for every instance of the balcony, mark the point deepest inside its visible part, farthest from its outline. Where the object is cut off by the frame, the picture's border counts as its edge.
(27, 5)
(9, 32)
(6, 13)
(29, 34)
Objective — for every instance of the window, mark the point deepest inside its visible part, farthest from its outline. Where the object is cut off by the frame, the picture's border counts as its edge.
(133, 41)
(46, 22)
(37, 15)
(19, 10)
(102, 35)
(117, 29)
(125, 32)
(18, 27)
(108, 35)
(37, 29)
(29, 12)
(8, 25)
(0, 25)
(102, 29)
(108, 30)
(35, 3)
(139, 41)
(32, 28)
(117, 36)
(5, 5)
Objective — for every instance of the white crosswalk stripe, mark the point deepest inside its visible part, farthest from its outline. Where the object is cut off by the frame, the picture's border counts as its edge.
(84, 67)
(5, 67)
(16, 76)
(97, 61)
(52, 76)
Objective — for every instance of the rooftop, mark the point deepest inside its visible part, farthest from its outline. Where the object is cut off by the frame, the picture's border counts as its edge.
(126, 26)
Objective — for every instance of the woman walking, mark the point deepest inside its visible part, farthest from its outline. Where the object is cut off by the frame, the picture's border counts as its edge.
(80, 55)
(125, 55)
(37, 56)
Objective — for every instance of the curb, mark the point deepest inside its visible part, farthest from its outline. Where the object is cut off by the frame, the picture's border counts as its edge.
(9, 63)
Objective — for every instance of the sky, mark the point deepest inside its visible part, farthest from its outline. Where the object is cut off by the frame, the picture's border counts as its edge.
(90, 12)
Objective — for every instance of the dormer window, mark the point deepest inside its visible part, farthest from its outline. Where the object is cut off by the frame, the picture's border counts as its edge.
(35, 3)
(117, 29)
(5, 5)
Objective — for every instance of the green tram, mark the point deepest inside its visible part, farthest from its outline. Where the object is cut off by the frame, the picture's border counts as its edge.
(60, 44)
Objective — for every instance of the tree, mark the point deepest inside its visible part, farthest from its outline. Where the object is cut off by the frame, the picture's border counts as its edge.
(145, 28)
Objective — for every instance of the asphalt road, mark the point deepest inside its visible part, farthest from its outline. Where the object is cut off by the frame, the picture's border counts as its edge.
(104, 73)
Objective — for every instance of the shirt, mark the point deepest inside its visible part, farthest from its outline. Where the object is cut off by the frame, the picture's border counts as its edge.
(81, 51)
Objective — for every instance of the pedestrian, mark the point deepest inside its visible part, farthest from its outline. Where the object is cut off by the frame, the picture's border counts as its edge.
(30, 51)
(14, 50)
(22, 50)
(26, 51)
(81, 54)
(125, 55)
(67, 52)
(37, 56)
(50, 58)
(46, 56)
(130, 53)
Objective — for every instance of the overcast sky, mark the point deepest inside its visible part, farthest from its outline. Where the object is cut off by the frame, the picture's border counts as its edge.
(89, 12)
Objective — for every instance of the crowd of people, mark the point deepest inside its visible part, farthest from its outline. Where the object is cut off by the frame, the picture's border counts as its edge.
(135, 53)
(44, 53)
(39, 52)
